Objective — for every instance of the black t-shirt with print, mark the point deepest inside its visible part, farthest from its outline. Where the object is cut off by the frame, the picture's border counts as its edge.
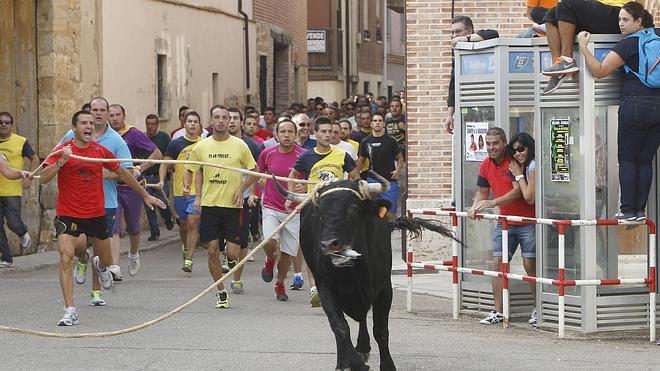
(381, 152)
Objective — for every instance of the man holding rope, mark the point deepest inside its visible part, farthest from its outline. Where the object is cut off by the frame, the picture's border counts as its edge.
(77, 215)
(221, 193)
(184, 197)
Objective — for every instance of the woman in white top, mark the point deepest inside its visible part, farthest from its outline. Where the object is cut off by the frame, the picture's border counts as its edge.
(523, 166)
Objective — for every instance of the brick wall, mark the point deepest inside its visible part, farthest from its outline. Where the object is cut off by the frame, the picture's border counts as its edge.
(428, 71)
(291, 15)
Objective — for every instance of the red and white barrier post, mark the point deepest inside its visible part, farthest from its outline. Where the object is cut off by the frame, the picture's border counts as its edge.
(561, 230)
(652, 275)
(505, 270)
(454, 266)
(409, 273)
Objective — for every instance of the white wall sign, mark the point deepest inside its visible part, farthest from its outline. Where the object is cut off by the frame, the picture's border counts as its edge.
(316, 41)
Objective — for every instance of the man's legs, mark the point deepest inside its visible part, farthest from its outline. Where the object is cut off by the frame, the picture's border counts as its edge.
(154, 229)
(567, 36)
(497, 284)
(65, 246)
(4, 244)
(244, 230)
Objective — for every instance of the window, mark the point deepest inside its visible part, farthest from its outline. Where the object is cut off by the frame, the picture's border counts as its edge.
(215, 81)
(366, 87)
(161, 75)
(365, 19)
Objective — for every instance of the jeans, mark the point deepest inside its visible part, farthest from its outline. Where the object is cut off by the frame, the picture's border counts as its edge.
(10, 209)
(639, 138)
(165, 213)
(523, 235)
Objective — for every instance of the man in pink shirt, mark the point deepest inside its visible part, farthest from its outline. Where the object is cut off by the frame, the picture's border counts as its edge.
(279, 160)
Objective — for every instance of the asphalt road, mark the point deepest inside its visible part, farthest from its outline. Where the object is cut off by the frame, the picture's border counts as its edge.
(259, 333)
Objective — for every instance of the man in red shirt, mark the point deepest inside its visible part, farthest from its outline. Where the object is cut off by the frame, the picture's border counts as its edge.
(80, 205)
(494, 175)
(269, 118)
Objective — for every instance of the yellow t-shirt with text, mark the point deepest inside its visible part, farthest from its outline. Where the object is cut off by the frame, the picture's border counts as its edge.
(219, 185)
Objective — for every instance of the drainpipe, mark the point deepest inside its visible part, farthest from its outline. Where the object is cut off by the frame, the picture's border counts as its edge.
(246, 38)
(347, 37)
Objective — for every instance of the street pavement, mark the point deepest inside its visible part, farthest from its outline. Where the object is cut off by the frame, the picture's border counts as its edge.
(259, 333)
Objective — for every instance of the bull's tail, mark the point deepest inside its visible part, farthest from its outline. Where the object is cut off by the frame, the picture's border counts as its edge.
(415, 226)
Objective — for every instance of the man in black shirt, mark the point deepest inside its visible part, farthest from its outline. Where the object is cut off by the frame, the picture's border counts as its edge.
(462, 30)
(383, 152)
(161, 139)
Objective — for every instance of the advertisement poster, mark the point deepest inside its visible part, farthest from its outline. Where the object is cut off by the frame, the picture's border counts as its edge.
(559, 142)
(475, 141)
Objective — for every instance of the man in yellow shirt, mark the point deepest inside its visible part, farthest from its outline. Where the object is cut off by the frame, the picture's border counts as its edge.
(16, 149)
(564, 21)
(221, 193)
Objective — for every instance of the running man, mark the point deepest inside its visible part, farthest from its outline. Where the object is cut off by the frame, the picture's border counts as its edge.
(128, 199)
(221, 192)
(279, 161)
(321, 163)
(184, 198)
(76, 214)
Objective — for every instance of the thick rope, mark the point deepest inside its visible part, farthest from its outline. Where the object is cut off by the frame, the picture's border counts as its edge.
(199, 163)
(166, 315)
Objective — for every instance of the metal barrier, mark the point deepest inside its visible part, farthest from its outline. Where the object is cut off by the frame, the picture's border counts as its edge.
(562, 283)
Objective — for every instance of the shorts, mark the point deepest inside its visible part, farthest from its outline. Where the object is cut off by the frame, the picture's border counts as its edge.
(129, 203)
(525, 235)
(287, 236)
(91, 227)
(110, 218)
(392, 195)
(220, 223)
(184, 206)
(587, 15)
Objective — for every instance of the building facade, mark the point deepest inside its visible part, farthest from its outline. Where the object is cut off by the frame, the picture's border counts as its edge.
(281, 49)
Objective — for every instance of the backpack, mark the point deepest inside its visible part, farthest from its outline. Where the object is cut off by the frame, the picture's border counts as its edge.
(649, 58)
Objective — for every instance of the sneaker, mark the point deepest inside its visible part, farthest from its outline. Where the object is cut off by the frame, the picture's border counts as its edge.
(187, 265)
(297, 283)
(492, 318)
(223, 300)
(561, 66)
(237, 287)
(115, 270)
(4, 264)
(533, 319)
(554, 83)
(26, 241)
(70, 317)
(267, 270)
(251, 258)
(104, 275)
(625, 216)
(640, 216)
(80, 271)
(169, 224)
(225, 265)
(231, 263)
(133, 264)
(153, 237)
(280, 292)
(314, 297)
(96, 299)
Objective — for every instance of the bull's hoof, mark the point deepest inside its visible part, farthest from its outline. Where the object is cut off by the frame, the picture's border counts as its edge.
(365, 356)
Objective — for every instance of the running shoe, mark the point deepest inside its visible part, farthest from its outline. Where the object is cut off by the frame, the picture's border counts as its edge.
(225, 266)
(104, 275)
(115, 270)
(554, 83)
(223, 300)
(237, 287)
(187, 265)
(169, 223)
(533, 319)
(625, 216)
(26, 241)
(297, 283)
(231, 264)
(640, 216)
(314, 297)
(80, 271)
(280, 291)
(267, 270)
(70, 317)
(96, 299)
(133, 264)
(492, 318)
(4, 264)
(153, 237)
(251, 258)
(561, 66)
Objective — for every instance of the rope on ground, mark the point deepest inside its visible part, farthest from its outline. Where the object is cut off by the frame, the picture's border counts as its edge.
(199, 163)
(166, 315)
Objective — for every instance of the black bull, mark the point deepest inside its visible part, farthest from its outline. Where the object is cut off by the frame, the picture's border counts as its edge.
(347, 246)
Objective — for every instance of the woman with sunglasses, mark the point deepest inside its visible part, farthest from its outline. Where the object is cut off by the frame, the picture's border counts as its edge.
(523, 168)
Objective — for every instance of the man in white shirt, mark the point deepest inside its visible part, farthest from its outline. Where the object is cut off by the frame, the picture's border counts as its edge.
(335, 141)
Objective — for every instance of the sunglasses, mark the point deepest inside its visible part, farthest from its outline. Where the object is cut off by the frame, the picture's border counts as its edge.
(6, 122)
(520, 149)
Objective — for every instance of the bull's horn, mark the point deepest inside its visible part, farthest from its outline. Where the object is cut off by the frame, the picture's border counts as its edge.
(291, 196)
(377, 188)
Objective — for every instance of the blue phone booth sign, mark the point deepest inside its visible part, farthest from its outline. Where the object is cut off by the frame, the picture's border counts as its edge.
(478, 64)
(521, 62)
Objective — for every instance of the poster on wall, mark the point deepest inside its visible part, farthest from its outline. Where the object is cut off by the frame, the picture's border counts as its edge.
(475, 141)
(559, 142)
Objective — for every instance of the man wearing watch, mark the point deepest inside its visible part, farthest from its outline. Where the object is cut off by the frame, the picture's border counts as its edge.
(462, 30)
(495, 176)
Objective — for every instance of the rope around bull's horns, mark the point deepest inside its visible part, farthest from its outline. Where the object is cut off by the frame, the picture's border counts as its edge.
(166, 315)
